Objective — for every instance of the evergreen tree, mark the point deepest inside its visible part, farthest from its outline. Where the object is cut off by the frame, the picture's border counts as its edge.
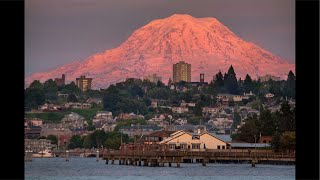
(219, 80)
(36, 84)
(170, 81)
(236, 120)
(266, 124)
(72, 98)
(34, 97)
(247, 84)
(50, 89)
(230, 81)
(291, 85)
(248, 130)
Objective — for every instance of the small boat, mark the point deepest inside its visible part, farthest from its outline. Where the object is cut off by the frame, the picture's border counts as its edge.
(82, 155)
(43, 154)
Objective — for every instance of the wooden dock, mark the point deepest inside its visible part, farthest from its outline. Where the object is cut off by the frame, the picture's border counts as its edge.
(141, 156)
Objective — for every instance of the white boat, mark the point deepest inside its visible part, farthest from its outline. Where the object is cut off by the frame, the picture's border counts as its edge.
(43, 154)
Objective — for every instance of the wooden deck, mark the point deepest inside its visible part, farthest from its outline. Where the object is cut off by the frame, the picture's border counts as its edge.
(161, 156)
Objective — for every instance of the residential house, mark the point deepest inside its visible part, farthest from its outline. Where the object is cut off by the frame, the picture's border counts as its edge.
(180, 110)
(155, 137)
(138, 130)
(158, 121)
(32, 132)
(221, 123)
(181, 121)
(211, 109)
(154, 103)
(190, 104)
(72, 120)
(132, 115)
(228, 97)
(50, 107)
(33, 122)
(63, 134)
(265, 139)
(94, 100)
(77, 105)
(269, 95)
(103, 117)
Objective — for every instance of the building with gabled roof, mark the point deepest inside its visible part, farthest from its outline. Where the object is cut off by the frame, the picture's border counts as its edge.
(194, 141)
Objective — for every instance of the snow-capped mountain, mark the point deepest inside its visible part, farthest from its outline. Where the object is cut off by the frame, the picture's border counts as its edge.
(205, 43)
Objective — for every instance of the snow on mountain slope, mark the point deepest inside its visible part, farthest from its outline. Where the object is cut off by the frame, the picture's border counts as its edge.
(205, 43)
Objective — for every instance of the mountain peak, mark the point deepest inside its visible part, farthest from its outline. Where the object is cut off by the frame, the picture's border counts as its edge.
(180, 16)
(205, 43)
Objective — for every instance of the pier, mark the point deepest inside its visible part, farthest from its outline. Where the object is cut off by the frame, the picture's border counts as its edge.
(157, 156)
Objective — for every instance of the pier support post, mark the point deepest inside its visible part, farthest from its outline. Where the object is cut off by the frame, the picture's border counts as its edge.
(204, 161)
(112, 161)
(145, 162)
(139, 162)
(67, 155)
(161, 162)
(169, 164)
(253, 163)
(107, 161)
(97, 155)
(120, 162)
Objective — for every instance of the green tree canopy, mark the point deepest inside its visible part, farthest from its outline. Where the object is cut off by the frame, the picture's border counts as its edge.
(230, 81)
(34, 97)
(53, 138)
(76, 142)
(72, 98)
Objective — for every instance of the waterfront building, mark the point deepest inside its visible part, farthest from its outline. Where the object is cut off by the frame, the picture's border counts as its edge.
(37, 145)
(194, 141)
(84, 83)
(181, 72)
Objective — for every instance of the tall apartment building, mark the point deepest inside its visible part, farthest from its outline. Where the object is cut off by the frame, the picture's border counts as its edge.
(84, 83)
(153, 78)
(181, 72)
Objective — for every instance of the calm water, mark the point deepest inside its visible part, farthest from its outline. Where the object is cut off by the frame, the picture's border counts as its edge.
(88, 168)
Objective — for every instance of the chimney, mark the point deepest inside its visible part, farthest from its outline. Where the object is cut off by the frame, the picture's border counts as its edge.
(201, 77)
(199, 131)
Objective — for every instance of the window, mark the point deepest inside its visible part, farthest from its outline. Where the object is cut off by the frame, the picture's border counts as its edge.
(264, 141)
(195, 137)
(195, 146)
(223, 147)
(172, 146)
(218, 147)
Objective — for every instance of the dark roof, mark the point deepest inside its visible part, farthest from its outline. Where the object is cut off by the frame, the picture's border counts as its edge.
(249, 145)
(161, 133)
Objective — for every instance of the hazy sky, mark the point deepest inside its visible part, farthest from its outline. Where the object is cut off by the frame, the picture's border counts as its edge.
(61, 31)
